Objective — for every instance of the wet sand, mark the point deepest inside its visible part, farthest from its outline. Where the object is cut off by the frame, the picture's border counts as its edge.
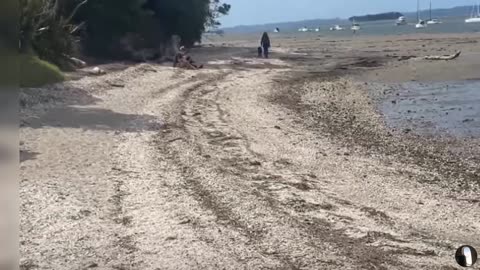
(436, 109)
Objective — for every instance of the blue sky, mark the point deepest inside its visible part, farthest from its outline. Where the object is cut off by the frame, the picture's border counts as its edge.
(246, 12)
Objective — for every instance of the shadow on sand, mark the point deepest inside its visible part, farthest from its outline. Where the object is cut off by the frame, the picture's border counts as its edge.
(94, 119)
(27, 155)
(71, 107)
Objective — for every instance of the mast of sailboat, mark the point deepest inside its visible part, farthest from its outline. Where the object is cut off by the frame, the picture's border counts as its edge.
(475, 11)
(418, 10)
(478, 9)
(430, 10)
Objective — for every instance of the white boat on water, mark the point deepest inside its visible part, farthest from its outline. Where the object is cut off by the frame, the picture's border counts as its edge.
(336, 28)
(475, 15)
(420, 23)
(355, 27)
(401, 21)
(303, 29)
(432, 21)
(472, 20)
(277, 30)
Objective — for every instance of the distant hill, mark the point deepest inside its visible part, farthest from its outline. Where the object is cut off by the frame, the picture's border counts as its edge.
(376, 17)
(461, 11)
(284, 26)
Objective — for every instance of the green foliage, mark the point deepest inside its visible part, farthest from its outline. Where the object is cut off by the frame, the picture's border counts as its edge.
(187, 18)
(45, 30)
(35, 72)
(376, 17)
(55, 43)
(9, 17)
(216, 10)
(107, 21)
(55, 29)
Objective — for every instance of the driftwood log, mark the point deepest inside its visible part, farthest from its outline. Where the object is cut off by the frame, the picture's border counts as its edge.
(443, 57)
(77, 62)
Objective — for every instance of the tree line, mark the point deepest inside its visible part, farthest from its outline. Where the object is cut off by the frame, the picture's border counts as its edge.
(56, 29)
(376, 17)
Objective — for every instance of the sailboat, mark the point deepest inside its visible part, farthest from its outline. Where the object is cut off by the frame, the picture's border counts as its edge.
(336, 28)
(401, 21)
(355, 26)
(432, 21)
(421, 23)
(303, 29)
(474, 16)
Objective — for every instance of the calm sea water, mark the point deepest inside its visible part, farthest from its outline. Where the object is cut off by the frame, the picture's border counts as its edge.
(449, 25)
(430, 108)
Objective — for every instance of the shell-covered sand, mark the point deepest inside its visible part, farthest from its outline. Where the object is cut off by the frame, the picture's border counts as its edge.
(283, 163)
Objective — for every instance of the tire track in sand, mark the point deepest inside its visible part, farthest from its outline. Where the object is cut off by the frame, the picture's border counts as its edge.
(218, 166)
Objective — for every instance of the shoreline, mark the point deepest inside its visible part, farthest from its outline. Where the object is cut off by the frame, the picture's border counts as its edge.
(452, 162)
(445, 109)
(249, 163)
(347, 107)
(366, 73)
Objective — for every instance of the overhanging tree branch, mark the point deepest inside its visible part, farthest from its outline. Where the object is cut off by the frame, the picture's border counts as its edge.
(75, 10)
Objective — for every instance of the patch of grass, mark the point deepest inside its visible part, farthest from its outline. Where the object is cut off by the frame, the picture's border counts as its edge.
(35, 72)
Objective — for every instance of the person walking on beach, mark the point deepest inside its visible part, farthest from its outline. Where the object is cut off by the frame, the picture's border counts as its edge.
(265, 43)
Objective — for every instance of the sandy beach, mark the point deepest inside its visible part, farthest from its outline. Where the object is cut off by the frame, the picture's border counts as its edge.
(317, 158)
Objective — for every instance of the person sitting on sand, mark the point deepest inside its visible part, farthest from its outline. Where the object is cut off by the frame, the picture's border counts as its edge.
(190, 60)
(265, 43)
(182, 60)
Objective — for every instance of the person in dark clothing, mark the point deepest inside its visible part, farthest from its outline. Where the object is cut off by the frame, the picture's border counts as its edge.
(177, 59)
(191, 62)
(265, 43)
(183, 60)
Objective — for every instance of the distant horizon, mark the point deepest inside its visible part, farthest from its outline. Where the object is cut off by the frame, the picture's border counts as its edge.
(229, 20)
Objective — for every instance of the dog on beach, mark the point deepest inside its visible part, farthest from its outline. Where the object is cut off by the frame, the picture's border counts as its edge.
(260, 52)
